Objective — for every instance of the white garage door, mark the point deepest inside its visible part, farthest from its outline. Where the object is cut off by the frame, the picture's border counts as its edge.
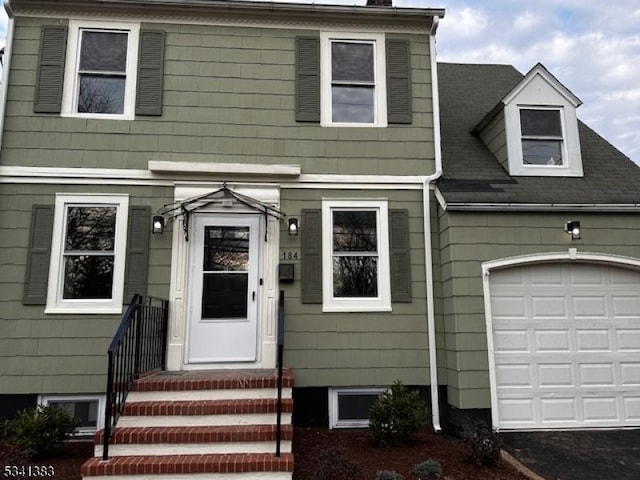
(566, 342)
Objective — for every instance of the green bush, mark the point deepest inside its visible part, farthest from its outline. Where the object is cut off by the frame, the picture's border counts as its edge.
(388, 475)
(396, 416)
(483, 444)
(428, 470)
(334, 464)
(39, 432)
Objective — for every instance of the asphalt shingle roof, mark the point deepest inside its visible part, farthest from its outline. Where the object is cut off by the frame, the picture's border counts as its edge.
(472, 174)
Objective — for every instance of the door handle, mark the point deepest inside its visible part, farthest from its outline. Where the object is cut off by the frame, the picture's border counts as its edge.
(253, 296)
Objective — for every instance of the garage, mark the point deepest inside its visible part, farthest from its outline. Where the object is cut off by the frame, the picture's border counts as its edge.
(564, 346)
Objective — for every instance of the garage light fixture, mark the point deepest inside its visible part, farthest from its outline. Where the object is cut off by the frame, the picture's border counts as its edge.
(572, 227)
(158, 224)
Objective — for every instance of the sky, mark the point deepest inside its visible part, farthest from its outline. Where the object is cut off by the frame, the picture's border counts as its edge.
(592, 47)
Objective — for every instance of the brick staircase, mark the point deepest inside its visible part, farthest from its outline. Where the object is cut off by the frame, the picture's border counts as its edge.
(199, 425)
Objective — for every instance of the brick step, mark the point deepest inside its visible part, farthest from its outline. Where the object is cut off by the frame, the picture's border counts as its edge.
(212, 380)
(207, 407)
(217, 394)
(188, 464)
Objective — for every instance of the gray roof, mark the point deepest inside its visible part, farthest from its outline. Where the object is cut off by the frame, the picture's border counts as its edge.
(473, 175)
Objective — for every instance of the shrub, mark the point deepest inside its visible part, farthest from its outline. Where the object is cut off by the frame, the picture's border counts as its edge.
(396, 416)
(334, 464)
(483, 444)
(40, 431)
(427, 470)
(388, 475)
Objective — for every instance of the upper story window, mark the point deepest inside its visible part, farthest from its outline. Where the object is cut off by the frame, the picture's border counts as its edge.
(356, 256)
(87, 255)
(541, 131)
(101, 72)
(353, 83)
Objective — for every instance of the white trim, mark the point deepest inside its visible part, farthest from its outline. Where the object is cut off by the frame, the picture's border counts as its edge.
(224, 168)
(381, 303)
(380, 81)
(572, 255)
(45, 399)
(71, 83)
(334, 411)
(55, 302)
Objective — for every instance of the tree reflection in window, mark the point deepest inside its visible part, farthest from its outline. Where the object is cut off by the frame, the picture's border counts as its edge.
(355, 253)
(89, 252)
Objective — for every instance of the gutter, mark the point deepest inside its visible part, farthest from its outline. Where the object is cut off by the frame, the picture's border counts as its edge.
(6, 66)
(431, 320)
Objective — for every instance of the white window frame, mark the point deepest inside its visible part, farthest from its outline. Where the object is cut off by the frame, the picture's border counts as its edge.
(380, 88)
(71, 77)
(561, 139)
(46, 399)
(334, 409)
(55, 301)
(381, 303)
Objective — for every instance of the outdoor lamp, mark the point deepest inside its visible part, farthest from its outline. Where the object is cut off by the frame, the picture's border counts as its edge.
(157, 225)
(573, 228)
(293, 227)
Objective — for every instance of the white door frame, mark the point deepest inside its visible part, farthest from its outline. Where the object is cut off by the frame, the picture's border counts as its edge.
(179, 293)
(572, 255)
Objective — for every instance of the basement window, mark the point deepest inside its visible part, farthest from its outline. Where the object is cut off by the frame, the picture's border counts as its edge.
(349, 407)
(88, 409)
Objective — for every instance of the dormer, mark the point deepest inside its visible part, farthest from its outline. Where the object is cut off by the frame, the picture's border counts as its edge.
(533, 131)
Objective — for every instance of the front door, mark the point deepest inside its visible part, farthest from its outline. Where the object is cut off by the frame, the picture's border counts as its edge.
(224, 294)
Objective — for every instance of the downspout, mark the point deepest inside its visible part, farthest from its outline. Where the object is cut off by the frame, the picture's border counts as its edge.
(6, 67)
(431, 320)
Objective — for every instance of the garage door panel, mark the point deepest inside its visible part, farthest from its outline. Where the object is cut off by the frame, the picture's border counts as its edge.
(566, 346)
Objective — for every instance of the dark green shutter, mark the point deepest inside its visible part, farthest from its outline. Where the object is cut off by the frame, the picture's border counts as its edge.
(399, 256)
(50, 74)
(311, 228)
(308, 79)
(39, 253)
(137, 262)
(398, 82)
(150, 73)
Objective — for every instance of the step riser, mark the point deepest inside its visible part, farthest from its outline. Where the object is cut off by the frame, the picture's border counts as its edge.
(193, 395)
(203, 476)
(202, 420)
(133, 450)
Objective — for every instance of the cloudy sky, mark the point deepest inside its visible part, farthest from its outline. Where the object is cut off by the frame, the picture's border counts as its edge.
(593, 47)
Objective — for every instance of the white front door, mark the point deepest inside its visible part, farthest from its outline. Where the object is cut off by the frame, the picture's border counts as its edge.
(224, 296)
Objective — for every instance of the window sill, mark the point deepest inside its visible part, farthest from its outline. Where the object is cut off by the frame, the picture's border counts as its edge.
(355, 308)
(355, 125)
(84, 309)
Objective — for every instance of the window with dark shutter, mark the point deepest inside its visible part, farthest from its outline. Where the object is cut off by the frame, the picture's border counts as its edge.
(399, 256)
(308, 79)
(35, 289)
(150, 73)
(50, 74)
(398, 81)
(137, 251)
(311, 256)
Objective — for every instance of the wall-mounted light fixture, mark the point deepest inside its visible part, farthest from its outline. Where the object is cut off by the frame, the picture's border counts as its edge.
(572, 227)
(157, 225)
(293, 227)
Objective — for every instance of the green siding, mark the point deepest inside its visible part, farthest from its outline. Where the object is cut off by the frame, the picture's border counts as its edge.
(59, 353)
(494, 136)
(229, 95)
(357, 349)
(467, 240)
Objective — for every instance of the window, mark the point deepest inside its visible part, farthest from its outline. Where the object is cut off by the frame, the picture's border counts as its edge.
(349, 407)
(541, 131)
(87, 255)
(100, 77)
(353, 88)
(88, 409)
(355, 256)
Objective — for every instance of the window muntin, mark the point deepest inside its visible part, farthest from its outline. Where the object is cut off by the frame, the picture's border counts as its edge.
(88, 254)
(355, 256)
(353, 80)
(541, 131)
(100, 72)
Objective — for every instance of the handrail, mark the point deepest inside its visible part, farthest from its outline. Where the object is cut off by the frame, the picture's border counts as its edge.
(139, 346)
(280, 355)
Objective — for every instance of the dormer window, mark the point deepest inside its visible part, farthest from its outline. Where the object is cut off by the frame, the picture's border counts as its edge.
(541, 131)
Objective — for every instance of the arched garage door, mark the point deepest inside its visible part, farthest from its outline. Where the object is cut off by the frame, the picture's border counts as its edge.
(566, 346)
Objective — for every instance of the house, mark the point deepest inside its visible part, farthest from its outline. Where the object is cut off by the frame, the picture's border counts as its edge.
(270, 147)
(539, 253)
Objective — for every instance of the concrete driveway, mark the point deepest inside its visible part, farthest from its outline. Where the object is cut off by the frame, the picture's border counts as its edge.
(584, 455)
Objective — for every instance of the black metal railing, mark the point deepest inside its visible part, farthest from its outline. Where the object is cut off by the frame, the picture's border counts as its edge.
(280, 355)
(139, 346)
